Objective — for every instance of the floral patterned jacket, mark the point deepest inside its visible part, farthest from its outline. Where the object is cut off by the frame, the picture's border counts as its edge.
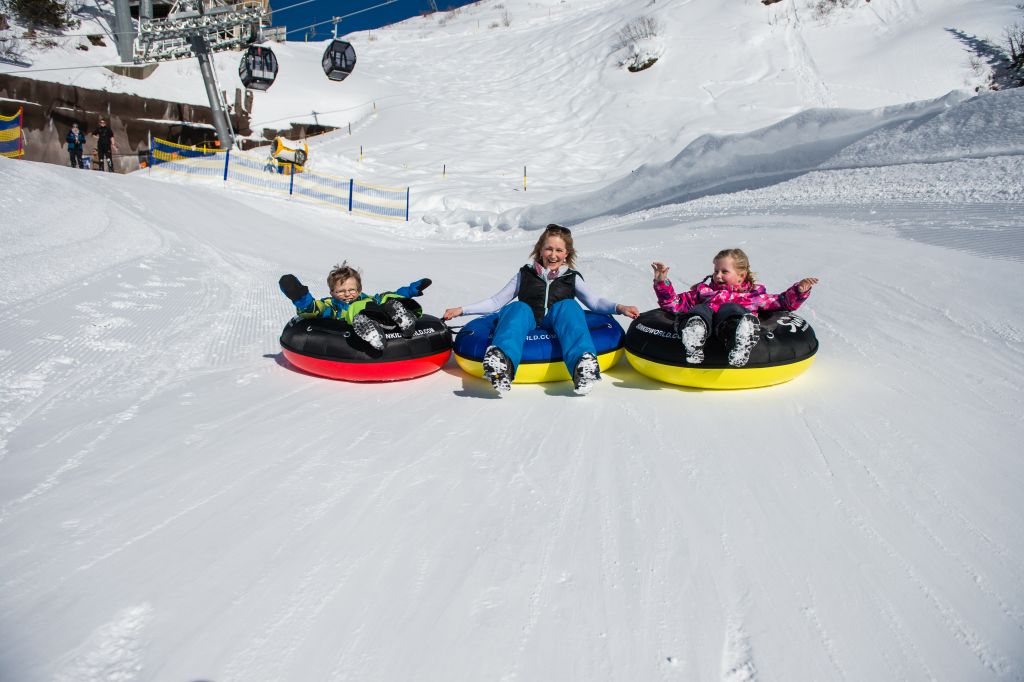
(753, 297)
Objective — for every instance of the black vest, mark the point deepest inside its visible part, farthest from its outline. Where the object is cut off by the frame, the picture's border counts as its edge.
(532, 289)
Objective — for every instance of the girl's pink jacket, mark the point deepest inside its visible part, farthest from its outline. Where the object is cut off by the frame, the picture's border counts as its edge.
(752, 297)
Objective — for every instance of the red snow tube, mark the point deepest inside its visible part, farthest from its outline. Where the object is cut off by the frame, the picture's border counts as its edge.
(329, 348)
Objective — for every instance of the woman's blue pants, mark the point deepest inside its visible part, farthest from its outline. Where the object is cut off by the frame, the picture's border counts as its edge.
(565, 319)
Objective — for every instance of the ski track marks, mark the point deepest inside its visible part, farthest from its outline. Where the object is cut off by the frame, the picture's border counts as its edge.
(114, 344)
(813, 90)
(895, 455)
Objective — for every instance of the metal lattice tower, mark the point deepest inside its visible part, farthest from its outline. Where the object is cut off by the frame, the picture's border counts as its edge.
(224, 26)
(198, 28)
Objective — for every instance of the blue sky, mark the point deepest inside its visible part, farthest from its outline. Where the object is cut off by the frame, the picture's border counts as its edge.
(323, 10)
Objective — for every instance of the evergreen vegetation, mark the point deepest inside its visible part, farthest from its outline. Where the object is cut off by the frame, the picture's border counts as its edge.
(46, 14)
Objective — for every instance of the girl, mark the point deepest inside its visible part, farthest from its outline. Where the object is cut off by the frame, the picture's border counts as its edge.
(348, 302)
(546, 290)
(727, 305)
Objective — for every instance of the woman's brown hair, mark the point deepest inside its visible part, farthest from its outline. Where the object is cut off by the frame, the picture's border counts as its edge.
(563, 233)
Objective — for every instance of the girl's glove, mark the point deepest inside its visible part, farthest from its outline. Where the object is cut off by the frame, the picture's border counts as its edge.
(417, 287)
(293, 288)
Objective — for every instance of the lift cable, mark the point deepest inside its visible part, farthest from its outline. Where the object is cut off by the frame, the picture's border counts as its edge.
(344, 16)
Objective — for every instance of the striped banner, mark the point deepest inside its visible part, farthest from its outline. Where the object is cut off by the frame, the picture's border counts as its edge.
(266, 174)
(380, 202)
(187, 160)
(11, 143)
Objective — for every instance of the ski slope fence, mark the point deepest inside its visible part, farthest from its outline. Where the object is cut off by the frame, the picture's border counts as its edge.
(11, 144)
(265, 174)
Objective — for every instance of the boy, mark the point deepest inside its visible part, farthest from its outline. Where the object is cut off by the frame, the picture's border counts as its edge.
(364, 312)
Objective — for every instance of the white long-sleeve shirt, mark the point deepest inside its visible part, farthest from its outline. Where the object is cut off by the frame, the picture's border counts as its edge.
(509, 291)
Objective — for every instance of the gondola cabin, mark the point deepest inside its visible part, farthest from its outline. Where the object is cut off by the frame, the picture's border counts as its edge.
(258, 68)
(339, 60)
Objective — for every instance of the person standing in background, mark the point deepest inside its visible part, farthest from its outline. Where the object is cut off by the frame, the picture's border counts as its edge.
(76, 143)
(105, 145)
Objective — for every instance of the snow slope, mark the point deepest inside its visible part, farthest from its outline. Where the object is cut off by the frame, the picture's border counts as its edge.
(545, 92)
(177, 503)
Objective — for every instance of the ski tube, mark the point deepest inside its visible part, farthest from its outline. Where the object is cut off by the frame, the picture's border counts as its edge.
(785, 349)
(542, 354)
(330, 348)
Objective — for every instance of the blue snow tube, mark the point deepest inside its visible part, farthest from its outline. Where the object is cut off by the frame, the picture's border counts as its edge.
(542, 354)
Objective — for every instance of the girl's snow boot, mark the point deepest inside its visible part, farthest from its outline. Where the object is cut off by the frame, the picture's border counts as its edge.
(693, 335)
(744, 339)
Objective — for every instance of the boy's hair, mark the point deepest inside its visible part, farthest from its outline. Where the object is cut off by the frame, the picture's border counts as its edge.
(563, 233)
(339, 273)
(740, 260)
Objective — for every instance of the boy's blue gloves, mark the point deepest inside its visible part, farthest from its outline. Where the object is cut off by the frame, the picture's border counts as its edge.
(417, 287)
(293, 288)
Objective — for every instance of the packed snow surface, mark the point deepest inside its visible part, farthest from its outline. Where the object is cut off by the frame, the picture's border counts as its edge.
(178, 503)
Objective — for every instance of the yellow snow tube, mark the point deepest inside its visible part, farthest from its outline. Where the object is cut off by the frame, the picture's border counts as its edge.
(719, 378)
(539, 372)
(542, 354)
(785, 349)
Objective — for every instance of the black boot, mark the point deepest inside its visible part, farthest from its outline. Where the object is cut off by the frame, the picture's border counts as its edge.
(498, 369)
(693, 335)
(369, 331)
(745, 335)
(396, 309)
(586, 374)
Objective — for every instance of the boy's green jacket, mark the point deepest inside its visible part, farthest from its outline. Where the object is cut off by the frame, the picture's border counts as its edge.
(309, 307)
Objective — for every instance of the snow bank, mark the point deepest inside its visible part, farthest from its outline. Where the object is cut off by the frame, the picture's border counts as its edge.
(951, 128)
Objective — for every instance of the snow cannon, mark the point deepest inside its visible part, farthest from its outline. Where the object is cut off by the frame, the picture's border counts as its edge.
(289, 155)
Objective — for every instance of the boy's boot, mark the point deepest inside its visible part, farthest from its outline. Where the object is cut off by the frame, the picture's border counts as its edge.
(497, 369)
(693, 334)
(586, 374)
(402, 316)
(369, 331)
(744, 339)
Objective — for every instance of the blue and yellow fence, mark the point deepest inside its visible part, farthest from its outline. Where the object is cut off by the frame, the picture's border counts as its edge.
(11, 142)
(265, 174)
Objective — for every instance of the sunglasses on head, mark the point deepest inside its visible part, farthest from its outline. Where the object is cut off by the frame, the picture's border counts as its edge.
(558, 228)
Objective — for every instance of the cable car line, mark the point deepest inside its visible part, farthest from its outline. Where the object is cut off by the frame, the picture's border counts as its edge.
(344, 16)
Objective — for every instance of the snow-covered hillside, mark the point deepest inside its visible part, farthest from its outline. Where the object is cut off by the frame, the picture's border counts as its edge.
(178, 503)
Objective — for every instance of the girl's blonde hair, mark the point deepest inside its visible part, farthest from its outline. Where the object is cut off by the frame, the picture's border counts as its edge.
(740, 261)
(563, 233)
(339, 273)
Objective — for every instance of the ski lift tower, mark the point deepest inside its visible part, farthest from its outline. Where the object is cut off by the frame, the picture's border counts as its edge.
(199, 28)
